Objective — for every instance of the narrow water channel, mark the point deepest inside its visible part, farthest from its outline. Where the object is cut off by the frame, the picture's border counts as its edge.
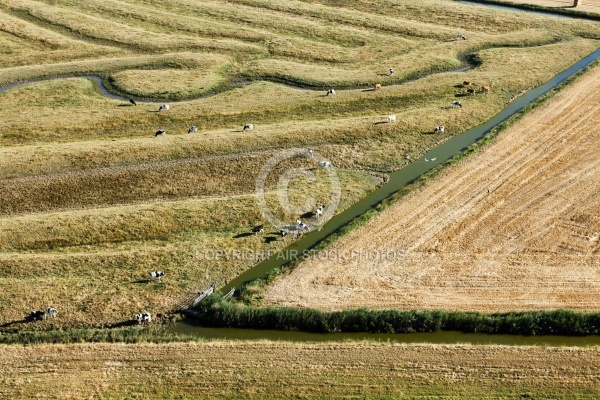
(403, 177)
(397, 181)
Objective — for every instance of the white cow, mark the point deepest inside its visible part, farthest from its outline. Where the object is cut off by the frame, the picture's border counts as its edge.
(439, 129)
(51, 311)
(319, 211)
(164, 107)
(324, 164)
(391, 118)
(156, 275)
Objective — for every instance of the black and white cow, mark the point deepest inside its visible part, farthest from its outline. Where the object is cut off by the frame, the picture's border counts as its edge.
(193, 129)
(248, 127)
(439, 129)
(456, 103)
(37, 315)
(258, 229)
(331, 92)
(143, 317)
(156, 275)
(160, 132)
(51, 311)
(164, 107)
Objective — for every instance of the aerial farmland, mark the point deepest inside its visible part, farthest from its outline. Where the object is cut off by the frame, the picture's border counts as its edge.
(143, 150)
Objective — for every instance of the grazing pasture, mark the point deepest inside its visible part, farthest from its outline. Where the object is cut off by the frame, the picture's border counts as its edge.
(91, 200)
(515, 227)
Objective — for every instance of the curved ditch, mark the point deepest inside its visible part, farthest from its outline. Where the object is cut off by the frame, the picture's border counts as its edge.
(398, 180)
(467, 62)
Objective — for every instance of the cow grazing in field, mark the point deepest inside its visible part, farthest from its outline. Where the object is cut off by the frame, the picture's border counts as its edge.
(391, 71)
(164, 107)
(456, 103)
(485, 89)
(324, 164)
(309, 152)
(37, 315)
(391, 118)
(331, 92)
(132, 101)
(193, 129)
(51, 311)
(156, 275)
(143, 317)
(471, 91)
(160, 132)
(319, 211)
(377, 86)
(460, 36)
(248, 127)
(466, 83)
(439, 129)
(258, 229)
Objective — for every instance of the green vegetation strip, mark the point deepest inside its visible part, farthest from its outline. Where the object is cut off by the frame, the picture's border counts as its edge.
(218, 313)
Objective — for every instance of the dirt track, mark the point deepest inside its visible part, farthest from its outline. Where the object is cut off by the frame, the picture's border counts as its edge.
(515, 227)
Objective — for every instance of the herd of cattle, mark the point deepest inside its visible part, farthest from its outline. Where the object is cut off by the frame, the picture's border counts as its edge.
(145, 317)
(331, 92)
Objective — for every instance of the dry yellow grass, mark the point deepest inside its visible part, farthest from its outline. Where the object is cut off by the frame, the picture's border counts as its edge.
(262, 370)
(515, 227)
(90, 201)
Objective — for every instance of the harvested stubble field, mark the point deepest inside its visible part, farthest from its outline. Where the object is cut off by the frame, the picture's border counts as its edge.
(90, 201)
(515, 227)
(584, 5)
(262, 370)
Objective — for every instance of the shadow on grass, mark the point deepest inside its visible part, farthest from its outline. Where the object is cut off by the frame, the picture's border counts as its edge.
(20, 321)
(140, 281)
(242, 235)
(270, 239)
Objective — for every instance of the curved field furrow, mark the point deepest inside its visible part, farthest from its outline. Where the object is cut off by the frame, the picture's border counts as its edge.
(516, 247)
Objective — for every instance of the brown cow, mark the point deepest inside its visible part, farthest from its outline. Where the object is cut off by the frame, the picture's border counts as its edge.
(471, 91)
(466, 83)
(377, 86)
(485, 88)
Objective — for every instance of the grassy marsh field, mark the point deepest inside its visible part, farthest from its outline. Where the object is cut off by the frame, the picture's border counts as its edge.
(91, 201)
